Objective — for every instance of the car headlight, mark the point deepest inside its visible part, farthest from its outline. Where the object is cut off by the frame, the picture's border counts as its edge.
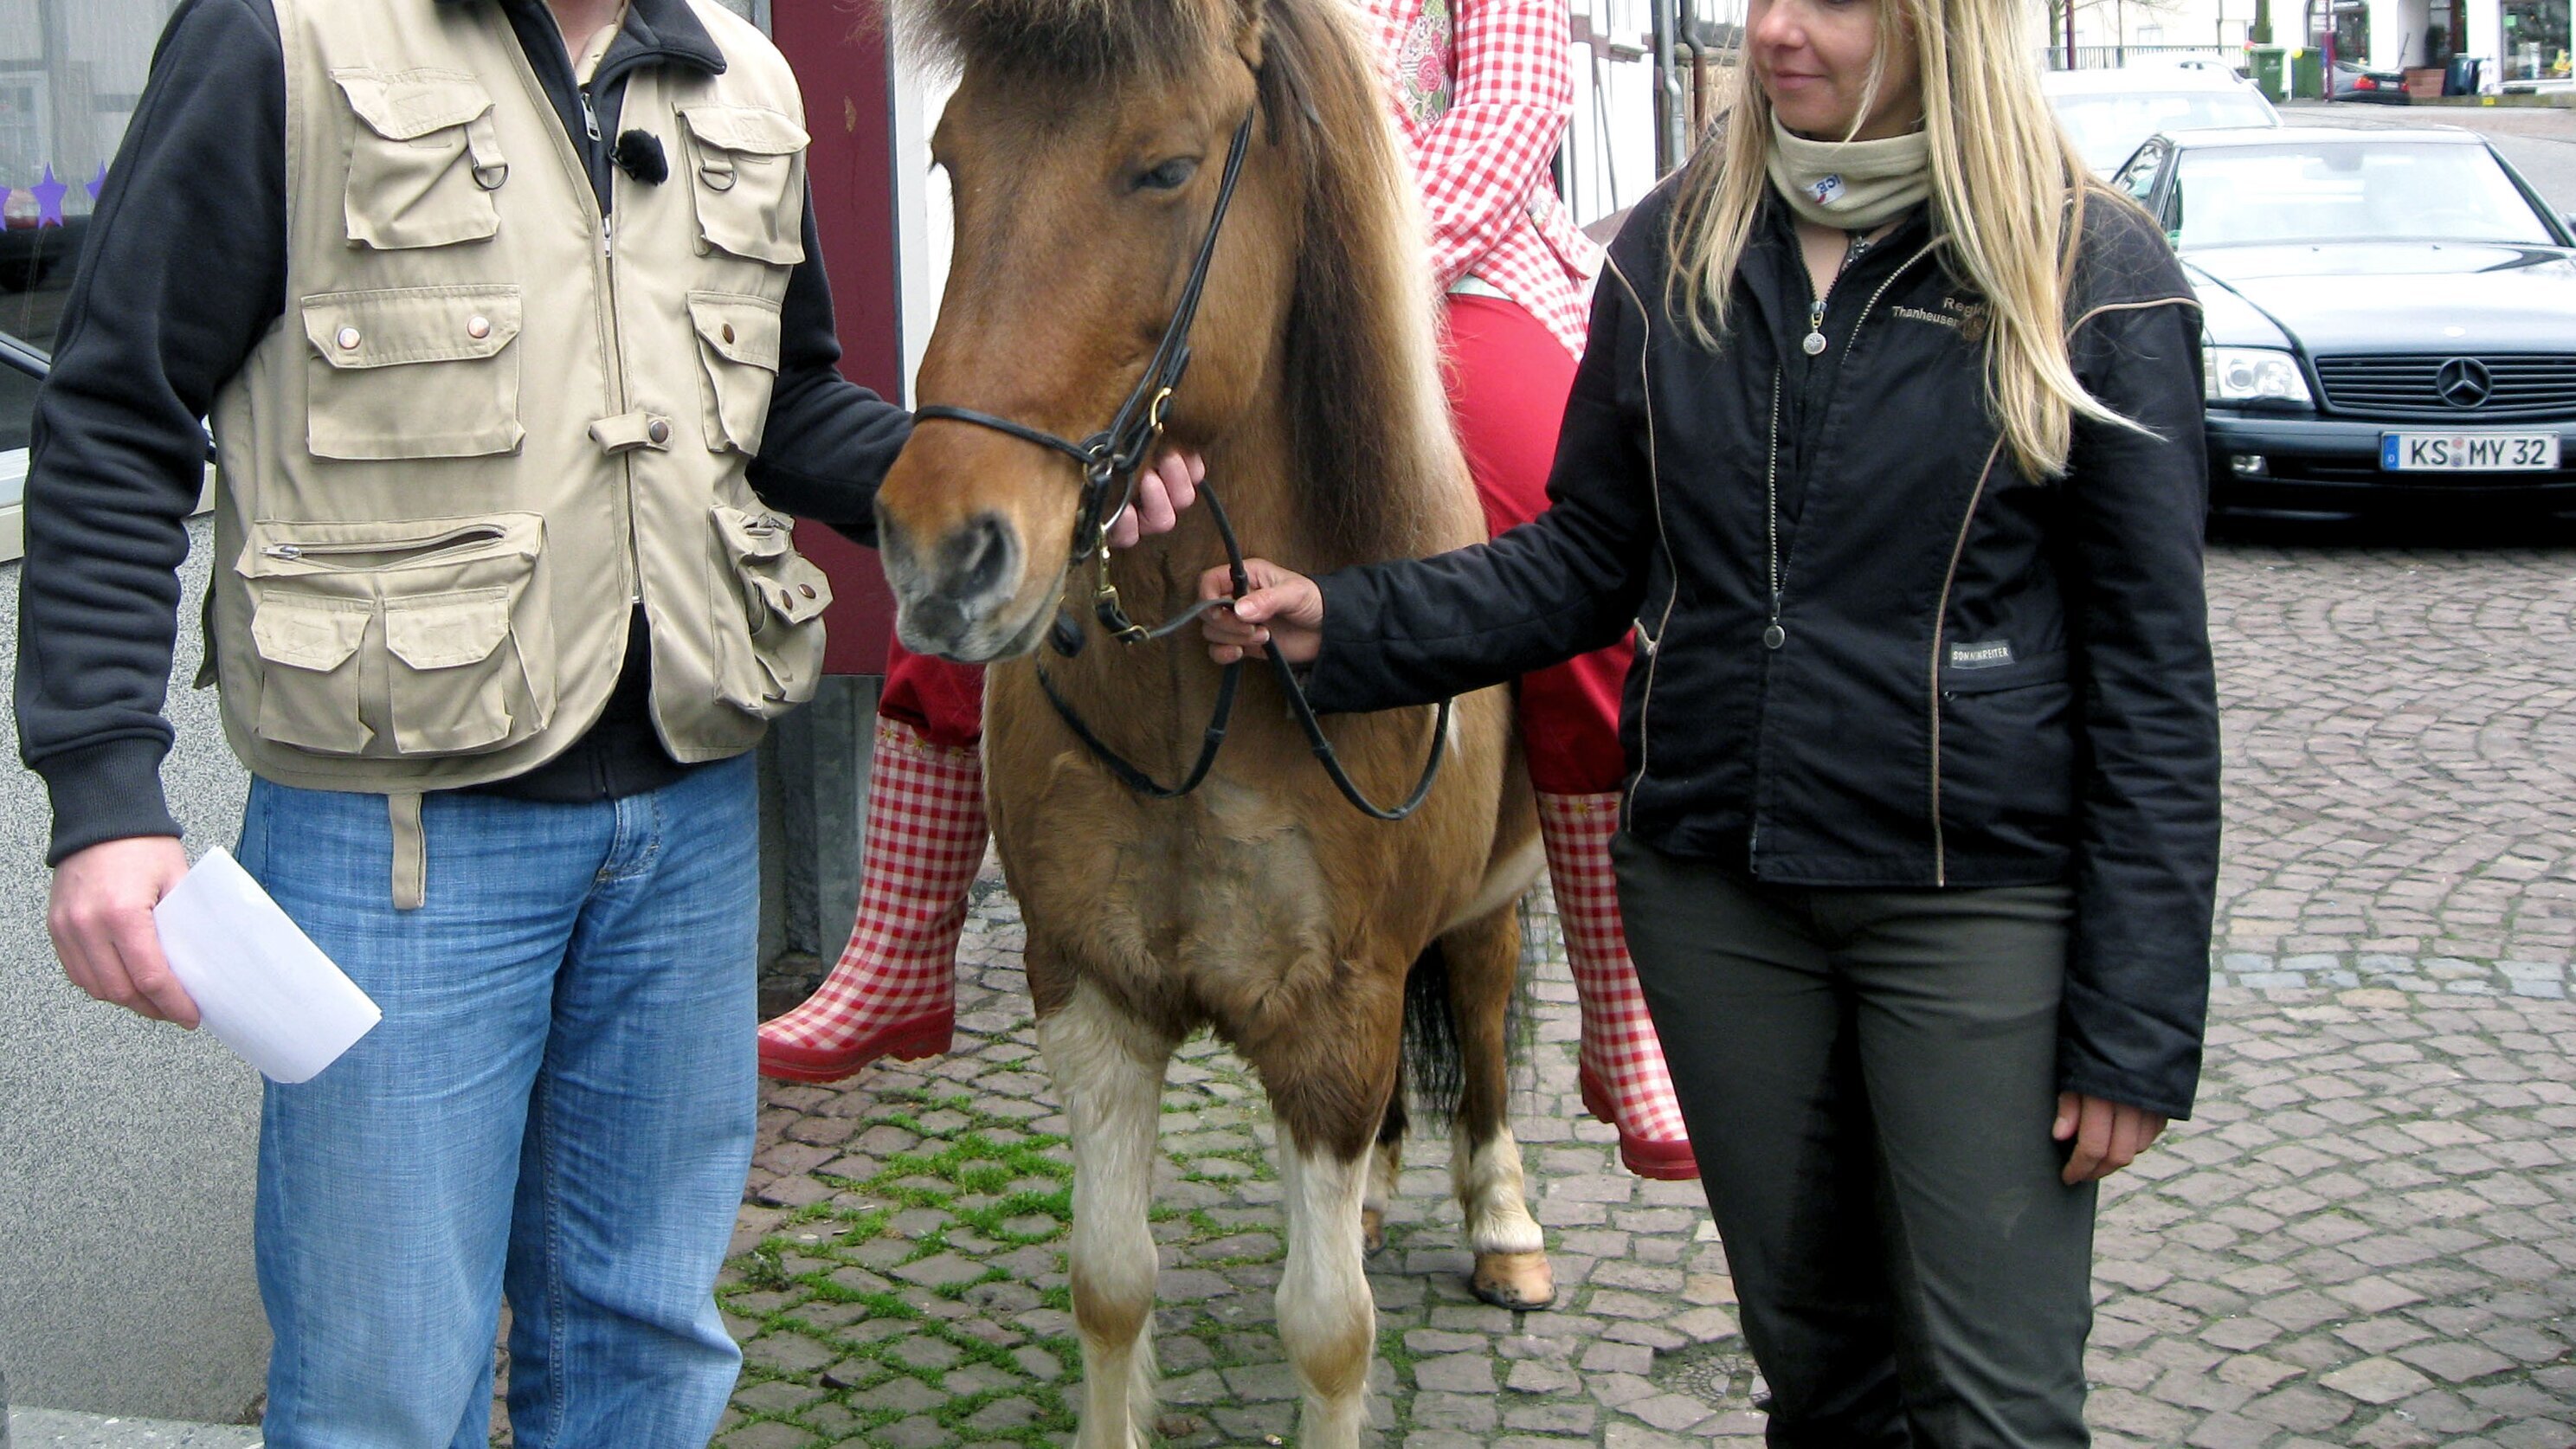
(2253, 374)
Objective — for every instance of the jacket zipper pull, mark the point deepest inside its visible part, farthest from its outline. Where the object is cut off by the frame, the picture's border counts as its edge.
(589, 117)
(1814, 345)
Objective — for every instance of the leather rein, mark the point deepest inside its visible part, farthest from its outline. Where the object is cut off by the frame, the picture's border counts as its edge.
(1110, 460)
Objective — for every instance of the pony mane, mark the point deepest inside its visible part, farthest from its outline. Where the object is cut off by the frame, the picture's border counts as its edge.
(1083, 42)
(1372, 436)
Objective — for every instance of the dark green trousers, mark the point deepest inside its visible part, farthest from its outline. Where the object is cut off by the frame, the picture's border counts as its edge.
(1868, 1077)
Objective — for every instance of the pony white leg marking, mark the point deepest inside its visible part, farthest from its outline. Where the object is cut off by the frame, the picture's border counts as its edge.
(1327, 1320)
(1385, 1163)
(1109, 1071)
(1486, 1175)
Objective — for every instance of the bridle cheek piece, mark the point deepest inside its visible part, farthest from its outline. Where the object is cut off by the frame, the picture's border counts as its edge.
(1110, 460)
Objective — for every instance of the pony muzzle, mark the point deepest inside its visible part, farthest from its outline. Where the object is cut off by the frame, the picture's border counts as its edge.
(956, 597)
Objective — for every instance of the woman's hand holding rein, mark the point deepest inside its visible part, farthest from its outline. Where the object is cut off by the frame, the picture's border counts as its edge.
(1284, 611)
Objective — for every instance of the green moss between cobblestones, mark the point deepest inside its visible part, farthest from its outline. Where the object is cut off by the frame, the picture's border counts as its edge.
(964, 1163)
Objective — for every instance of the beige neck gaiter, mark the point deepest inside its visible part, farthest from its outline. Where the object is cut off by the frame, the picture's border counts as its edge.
(1851, 185)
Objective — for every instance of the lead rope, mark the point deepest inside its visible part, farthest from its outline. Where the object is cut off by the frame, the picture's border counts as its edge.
(1214, 738)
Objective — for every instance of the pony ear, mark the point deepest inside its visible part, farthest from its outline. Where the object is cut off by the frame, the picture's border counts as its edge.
(1252, 32)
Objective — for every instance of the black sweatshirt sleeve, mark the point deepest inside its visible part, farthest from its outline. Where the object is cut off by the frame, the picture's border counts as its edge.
(2146, 862)
(149, 332)
(1414, 631)
(829, 440)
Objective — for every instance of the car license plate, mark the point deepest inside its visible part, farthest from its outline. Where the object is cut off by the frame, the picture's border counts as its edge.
(2468, 452)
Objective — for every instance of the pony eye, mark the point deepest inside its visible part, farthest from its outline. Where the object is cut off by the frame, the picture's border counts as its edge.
(1170, 176)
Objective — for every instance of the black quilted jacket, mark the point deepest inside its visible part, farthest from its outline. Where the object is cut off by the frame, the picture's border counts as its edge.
(1978, 679)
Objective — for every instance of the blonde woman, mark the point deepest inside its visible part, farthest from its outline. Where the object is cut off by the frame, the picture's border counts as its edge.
(1887, 446)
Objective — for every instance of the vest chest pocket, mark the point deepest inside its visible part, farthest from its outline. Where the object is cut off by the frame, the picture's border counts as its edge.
(773, 663)
(737, 366)
(417, 372)
(424, 161)
(400, 640)
(747, 177)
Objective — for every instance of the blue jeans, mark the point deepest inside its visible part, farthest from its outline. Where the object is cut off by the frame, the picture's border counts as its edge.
(560, 1101)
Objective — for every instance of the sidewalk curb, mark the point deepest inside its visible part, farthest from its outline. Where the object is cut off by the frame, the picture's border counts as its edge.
(62, 1429)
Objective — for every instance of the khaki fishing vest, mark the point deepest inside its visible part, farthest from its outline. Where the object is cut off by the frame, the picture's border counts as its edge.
(487, 425)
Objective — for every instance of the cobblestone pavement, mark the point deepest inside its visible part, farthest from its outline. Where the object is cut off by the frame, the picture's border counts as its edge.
(2365, 1238)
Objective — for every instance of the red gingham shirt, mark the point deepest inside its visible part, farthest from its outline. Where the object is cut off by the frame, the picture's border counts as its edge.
(1481, 91)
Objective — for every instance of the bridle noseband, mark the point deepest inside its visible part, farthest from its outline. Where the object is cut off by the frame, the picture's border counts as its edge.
(1110, 460)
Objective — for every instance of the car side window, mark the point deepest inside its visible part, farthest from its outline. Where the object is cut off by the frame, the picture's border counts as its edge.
(2138, 176)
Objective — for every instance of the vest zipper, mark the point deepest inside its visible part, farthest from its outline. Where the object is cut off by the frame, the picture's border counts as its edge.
(612, 341)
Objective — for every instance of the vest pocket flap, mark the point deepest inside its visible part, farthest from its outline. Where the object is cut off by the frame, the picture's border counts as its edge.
(443, 631)
(752, 536)
(737, 328)
(309, 633)
(798, 592)
(752, 130)
(411, 324)
(405, 105)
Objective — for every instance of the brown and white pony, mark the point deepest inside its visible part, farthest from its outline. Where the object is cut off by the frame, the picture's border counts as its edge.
(1083, 147)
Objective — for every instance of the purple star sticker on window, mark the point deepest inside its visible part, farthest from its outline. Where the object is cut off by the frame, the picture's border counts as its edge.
(49, 194)
(97, 183)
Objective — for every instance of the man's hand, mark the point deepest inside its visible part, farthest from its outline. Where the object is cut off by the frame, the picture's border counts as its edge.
(101, 919)
(2107, 1135)
(1165, 489)
(1284, 611)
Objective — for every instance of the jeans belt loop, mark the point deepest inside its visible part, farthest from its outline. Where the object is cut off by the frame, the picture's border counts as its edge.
(411, 852)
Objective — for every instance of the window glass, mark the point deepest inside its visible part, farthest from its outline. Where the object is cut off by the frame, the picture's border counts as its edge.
(2343, 192)
(2107, 128)
(2138, 177)
(71, 73)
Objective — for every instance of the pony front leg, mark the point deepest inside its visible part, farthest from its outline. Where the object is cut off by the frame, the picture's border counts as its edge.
(1108, 1067)
(1327, 1320)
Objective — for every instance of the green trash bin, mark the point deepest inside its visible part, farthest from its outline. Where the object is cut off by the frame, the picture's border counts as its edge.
(2307, 74)
(2270, 66)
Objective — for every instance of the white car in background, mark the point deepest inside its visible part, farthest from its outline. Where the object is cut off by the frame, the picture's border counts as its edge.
(2110, 112)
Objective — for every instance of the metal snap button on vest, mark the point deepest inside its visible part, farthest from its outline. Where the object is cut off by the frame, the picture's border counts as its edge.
(349, 339)
(728, 332)
(659, 431)
(806, 589)
(479, 328)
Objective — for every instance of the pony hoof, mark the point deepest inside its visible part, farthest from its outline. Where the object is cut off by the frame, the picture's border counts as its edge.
(1519, 1281)
(1372, 1231)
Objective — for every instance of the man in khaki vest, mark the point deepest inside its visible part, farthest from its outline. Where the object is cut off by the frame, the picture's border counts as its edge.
(511, 323)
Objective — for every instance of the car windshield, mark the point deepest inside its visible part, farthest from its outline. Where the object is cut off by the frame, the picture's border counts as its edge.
(2336, 191)
(2107, 128)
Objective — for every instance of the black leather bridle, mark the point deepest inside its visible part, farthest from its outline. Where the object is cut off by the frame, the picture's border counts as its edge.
(1110, 460)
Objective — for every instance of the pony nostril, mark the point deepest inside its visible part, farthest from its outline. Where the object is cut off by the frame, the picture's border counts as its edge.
(980, 560)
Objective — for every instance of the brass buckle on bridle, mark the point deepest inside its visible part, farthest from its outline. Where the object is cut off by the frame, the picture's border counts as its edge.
(1105, 605)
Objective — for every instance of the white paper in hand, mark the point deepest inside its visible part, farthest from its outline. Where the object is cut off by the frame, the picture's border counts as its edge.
(263, 987)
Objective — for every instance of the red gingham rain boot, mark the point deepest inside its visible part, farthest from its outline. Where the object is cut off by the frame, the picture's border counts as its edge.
(894, 992)
(1624, 1079)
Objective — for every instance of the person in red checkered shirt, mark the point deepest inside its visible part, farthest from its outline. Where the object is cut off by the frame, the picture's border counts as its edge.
(1480, 91)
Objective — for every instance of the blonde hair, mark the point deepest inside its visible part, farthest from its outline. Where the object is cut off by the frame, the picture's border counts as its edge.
(2008, 196)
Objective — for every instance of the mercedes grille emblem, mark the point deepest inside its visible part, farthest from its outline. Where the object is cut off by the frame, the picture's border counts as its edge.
(2464, 383)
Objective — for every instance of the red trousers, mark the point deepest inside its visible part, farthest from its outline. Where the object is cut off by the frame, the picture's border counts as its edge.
(1507, 377)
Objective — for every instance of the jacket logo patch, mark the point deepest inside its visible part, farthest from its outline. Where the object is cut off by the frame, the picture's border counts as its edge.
(1992, 654)
(1968, 319)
